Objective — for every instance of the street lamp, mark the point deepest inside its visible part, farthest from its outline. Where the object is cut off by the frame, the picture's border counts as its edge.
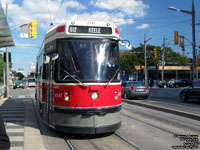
(193, 35)
(145, 59)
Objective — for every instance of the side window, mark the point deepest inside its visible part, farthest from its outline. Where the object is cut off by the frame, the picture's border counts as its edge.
(37, 73)
(44, 71)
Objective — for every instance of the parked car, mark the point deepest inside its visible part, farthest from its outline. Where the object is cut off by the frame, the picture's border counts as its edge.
(31, 82)
(133, 89)
(192, 92)
(179, 83)
(162, 84)
(18, 84)
(172, 83)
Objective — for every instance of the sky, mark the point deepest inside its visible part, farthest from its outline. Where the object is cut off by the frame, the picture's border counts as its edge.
(134, 18)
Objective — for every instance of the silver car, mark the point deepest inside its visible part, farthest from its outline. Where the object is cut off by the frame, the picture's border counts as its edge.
(133, 89)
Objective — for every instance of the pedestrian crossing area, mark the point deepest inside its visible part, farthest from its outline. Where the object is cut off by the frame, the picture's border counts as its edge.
(20, 96)
(13, 113)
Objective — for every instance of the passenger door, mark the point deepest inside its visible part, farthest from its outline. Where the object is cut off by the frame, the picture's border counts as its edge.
(47, 114)
(51, 90)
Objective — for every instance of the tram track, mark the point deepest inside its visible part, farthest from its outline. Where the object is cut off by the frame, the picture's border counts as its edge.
(160, 121)
(129, 142)
(155, 115)
(74, 142)
(164, 109)
(149, 124)
(69, 144)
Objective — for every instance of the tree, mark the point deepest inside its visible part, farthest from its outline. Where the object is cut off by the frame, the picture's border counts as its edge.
(135, 57)
(19, 76)
(174, 59)
(2, 67)
(128, 62)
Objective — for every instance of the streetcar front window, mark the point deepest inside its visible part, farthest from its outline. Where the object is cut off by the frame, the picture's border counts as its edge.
(87, 60)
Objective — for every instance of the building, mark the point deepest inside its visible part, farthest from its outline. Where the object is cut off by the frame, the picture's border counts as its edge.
(21, 70)
(31, 73)
(31, 69)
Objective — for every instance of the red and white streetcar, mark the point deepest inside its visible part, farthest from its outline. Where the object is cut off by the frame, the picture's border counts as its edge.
(78, 86)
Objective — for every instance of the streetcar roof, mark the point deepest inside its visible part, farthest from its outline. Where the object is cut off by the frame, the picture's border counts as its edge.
(81, 29)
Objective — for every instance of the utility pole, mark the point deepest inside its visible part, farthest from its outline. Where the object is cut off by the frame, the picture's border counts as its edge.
(7, 64)
(163, 59)
(197, 55)
(194, 68)
(145, 60)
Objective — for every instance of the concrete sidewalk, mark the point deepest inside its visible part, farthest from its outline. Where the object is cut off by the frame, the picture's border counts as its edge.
(21, 124)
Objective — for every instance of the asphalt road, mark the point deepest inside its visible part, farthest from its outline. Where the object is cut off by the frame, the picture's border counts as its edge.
(143, 128)
(169, 97)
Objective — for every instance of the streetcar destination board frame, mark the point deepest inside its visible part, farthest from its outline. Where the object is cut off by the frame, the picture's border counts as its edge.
(90, 30)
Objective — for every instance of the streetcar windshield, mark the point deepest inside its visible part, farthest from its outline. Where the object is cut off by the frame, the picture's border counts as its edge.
(87, 59)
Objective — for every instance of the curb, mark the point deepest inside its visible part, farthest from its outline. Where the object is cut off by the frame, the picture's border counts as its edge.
(2, 100)
(167, 110)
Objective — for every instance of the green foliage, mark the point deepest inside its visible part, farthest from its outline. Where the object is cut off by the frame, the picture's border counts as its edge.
(19, 76)
(2, 66)
(175, 59)
(135, 57)
(128, 62)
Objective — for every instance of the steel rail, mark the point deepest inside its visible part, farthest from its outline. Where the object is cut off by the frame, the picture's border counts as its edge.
(69, 144)
(164, 109)
(128, 142)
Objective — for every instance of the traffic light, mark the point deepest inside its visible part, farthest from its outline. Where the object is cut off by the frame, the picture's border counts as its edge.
(155, 53)
(182, 41)
(176, 37)
(32, 29)
(182, 45)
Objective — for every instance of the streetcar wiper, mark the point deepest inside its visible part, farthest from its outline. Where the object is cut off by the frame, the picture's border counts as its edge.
(75, 78)
(112, 78)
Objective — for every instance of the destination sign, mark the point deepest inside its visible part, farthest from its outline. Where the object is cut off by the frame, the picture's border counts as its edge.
(90, 30)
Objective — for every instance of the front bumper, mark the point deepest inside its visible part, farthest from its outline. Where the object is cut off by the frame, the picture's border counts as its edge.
(87, 121)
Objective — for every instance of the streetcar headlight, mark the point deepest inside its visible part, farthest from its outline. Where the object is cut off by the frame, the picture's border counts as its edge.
(66, 96)
(94, 95)
(116, 95)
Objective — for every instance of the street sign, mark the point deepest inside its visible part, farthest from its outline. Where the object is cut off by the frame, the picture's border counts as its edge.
(152, 67)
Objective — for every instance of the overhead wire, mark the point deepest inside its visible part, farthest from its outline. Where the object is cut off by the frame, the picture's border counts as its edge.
(162, 26)
(120, 5)
(48, 11)
(62, 1)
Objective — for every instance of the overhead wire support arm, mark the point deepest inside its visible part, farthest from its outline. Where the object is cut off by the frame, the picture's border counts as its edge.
(189, 41)
(19, 26)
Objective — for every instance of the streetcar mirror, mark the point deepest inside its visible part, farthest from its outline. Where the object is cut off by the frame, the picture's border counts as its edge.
(121, 43)
(128, 46)
(46, 59)
(126, 43)
(55, 57)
